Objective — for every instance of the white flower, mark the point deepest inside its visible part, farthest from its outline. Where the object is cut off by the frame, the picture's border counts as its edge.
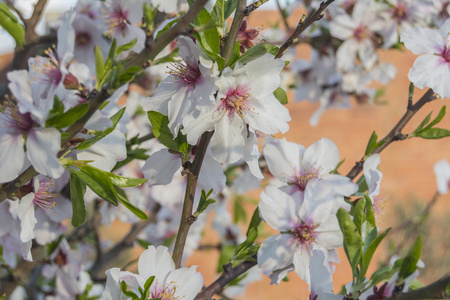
(305, 224)
(169, 283)
(321, 279)
(188, 88)
(245, 103)
(442, 171)
(432, 69)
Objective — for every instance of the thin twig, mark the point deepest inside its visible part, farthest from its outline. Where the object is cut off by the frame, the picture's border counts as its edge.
(186, 215)
(18, 12)
(251, 7)
(232, 34)
(396, 133)
(436, 289)
(283, 16)
(30, 24)
(302, 25)
(225, 278)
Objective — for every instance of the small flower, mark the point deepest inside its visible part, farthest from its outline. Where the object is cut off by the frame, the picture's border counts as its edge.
(246, 37)
(442, 171)
(432, 68)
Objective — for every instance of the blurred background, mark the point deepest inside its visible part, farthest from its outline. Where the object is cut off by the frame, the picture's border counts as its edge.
(408, 183)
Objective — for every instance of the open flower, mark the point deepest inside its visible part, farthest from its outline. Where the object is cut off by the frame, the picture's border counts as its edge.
(305, 225)
(245, 104)
(432, 69)
(169, 283)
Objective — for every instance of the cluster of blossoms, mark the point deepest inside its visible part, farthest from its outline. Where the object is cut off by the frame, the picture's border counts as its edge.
(234, 105)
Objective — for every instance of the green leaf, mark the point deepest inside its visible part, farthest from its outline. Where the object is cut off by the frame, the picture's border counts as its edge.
(114, 119)
(77, 191)
(371, 144)
(362, 184)
(125, 181)
(124, 287)
(98, 183)
(235, 54)
(120, 194)
(281, 95)
(138, 153)
(166, 28)
(148, 283)
(69, 117)
(436, 120)
(409, 264)
(204, 203)
(384, 273)
(57, 109)
(126, 47)
(239, 211)
(433, 133)
(370, 214)
(352, 239)
(415, 284)
(209, 38)
(359, 214)
(162, 132)
(10, 23)
(226, 253)
(230, 6)
(218, 12)
(168, 58)
(127, 75)
(369, 250)
(99, 66)
(256, 52)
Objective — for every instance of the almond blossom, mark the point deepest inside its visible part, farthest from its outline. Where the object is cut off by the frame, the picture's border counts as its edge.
(169, 283)
(432, 68)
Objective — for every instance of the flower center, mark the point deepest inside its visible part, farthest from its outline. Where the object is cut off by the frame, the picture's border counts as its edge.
(43, 197)
(307, 172)
(304, 233)
(164, 292)
(399, 12)
(235, 101)
(361, 33)
(185, 73)
(17, 122)
(116, 21)
(47, 68)
(83, 39)
(446, 53)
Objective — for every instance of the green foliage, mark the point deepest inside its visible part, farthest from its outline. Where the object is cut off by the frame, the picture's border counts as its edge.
(101, 134)
(409, 264)
(204, 203)
(162, 132)
(239, 211)
(77, 191)
(60, 119)
(248, 249)
(257, 51)
(10, 23)
(428, 131)
(372, 145)
(281, 95)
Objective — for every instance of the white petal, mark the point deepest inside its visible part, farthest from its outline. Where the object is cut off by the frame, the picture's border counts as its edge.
(276, 252)
(194, 127)
(283, 158)
(12, 156)
(431, 71)
(211, 175)
(155, 262)
(27, 218)
(160, 167)
(422, 40)
(43, 145)
(323, 154)
(442, 171)
(278, 209)
(188, 282)
(301, 263)
(228, 142)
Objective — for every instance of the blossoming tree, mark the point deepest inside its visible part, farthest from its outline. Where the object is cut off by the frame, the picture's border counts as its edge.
(80, 147)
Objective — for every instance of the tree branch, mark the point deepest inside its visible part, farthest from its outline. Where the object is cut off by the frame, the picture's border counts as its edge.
(30, 24)
(436, 289)
(186, 215)
(302, 25)
(18, 12)
(396, 133)
(225, 278)
(234, 30)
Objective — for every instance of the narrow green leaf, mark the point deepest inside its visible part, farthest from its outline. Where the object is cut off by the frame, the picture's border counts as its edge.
(372, 142)
(166, 28)
(281, 95)
(409, 264)
(239, 212)
(69, 117)
(352, 239)
(218, 12)
(98, 183)
(10, 23)
(256, 52)
(99, 66)
(148, 283)
(77, 191)
(359, 214)
(125, 181)
(204, 203)
(369, 251)
(230, 7)
(438, 118)
(162, 132)
(370, 214)
(433, 133)
(209, 38)
(126, 47)
(124, 200)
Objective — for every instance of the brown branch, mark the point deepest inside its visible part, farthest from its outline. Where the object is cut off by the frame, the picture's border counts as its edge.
(283, 16)
(396, 133)
(225, 278)
(435, 290)
(302, 25)
(18, 12)
(30, 24)
(253, 6)
(232, 34)
(186, 215)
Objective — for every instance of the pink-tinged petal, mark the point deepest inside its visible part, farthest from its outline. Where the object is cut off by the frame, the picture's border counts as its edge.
(267, 115)
(179, 106)
(43, 145)
(346, 53)
(12, 156)
(194, 127)
(341, 185)
(342, 27)
(323, 154)
(155, 262)
(160, 167)
(251, 155)
(442, 171)
(66, 38)
(431, 71)
(21, 89)
(278, 209)
(276, 252)
(283, 158)
(106, 152)
(228, 141)
(188, 282)
(372, 174)
(211, 175)
(328, 234)
(301, 263)
(422, 40)
(27, 218)
(188, 50)
(269, 67)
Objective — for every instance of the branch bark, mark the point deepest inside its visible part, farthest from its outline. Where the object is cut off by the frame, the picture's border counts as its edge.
(436, 289)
